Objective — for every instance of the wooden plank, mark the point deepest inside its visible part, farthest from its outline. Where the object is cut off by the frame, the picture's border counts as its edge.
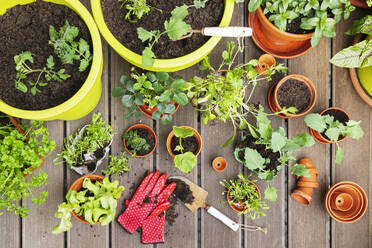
(10, 230)
(311, 219)
(357, 161)
(37, 227)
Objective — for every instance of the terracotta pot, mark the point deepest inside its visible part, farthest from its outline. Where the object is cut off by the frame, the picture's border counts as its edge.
(149, 111)
(219, 164)
(312, 178)
(265, 61)
(77, 185)
(320, 138)
(341, 201)
(360, 4)
(239, 207)
(196, 135)
(273, 92)
(142, 126)
(303, 195)
(274, 41)
(307, 184)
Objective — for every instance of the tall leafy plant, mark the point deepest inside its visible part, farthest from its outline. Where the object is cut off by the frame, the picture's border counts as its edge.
(185, 161)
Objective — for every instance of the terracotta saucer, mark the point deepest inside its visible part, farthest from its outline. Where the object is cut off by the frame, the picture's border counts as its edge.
(279, 50)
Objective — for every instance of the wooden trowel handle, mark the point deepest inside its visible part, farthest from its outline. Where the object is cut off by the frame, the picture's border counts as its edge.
(223, 218)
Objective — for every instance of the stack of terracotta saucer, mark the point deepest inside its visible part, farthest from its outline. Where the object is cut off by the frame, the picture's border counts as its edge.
(346, 202)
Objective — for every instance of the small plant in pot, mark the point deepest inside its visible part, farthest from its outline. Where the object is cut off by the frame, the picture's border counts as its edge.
(156, 95)
(265, 151)
(244, 196)
(333, 125)
(184, 145)
(91, 199)
(85, 150)
(140, 140)
(23, 148)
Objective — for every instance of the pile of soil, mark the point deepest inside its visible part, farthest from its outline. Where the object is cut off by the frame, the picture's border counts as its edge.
(126, 32)
(189, 144)
(294, 93)
(172, 214)
(265, 153)
(145, 134)
(182, 191)
(339, 116)
(293, 26)
(26, 28)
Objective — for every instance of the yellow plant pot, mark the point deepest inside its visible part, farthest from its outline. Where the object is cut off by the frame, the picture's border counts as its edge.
(85, 100)
(168, 65)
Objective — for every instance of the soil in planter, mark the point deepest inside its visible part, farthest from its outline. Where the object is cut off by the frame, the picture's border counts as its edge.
(189, 144)
(339, 116)
(182, 191)
(4, 119)
(293, 26)
(265, 153)
(26, 28)
(126, 32)
(145, 134)
(294, 93)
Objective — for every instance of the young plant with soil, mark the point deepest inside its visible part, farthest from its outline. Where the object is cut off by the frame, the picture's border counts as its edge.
(118, 165)
(139, 141)
(265, 151)
(184, 145)
(136, 9)
(294, 93)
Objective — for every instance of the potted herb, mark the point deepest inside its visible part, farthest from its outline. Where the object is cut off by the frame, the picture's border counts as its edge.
(21, 154)
(156, 95)
(221, 94)
(56, 73)
(184, 145)
(244, 196)
(117, 166)
(85, 150)
(140, 140)
(92, 200)
(152, 42)
(265, 151)
(293, 90)
(333, 125)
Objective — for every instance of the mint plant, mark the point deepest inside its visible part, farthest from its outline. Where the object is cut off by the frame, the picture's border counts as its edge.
(118, 165)
(24, 70)
(318, 15)
(154, 90)
(67, 49)
(136, 9)
(175, 28)
(135, 143)
(185, 161)
(334, 130)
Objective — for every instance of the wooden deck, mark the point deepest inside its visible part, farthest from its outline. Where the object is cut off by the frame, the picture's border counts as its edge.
(289, 223)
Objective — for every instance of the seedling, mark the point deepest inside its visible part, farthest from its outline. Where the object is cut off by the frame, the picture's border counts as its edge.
(117, 166)
(136, 9)
(185, 162)
(135, 143)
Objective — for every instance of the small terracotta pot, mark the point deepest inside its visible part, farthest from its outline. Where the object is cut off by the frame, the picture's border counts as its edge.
(265, 61)
(312, 178)
(239, 207)
(274, 41)
(303, 195)
(196, 135)
(142, 126)
(272, 97)
(77, 185)
(341, 201)
(360, 4)
(320, 138)
(149, 111)
(219, 164)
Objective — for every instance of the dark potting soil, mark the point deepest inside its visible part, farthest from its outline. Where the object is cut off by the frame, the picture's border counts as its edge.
(182, 191)
(172, 214)
(339, 116)
(265, 153)
(189, 144)
(4, 119)
(145, 134)
(294, 93)
(26, 28)
(293, 26)
(126, 32)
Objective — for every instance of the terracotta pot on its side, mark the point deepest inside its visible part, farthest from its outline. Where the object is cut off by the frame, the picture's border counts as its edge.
(196, 135)
(77, 185)
(273, 92)
(142, 126)
(239, 207)
(149, 111)
(265, 61)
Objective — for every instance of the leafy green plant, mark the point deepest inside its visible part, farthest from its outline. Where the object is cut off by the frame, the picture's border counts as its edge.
(360, 54)
(273, 141)
(243, 193)
(95, 202)
(117, 166)
(334, 130)
(318, 15)
(155, 90)
(185, 162)
(20, 155)
(175, 28)
(221, 94)
(95, 135)
(136, 9)
(67, 49)
(369, 3)
(24, 70)
(135, 143)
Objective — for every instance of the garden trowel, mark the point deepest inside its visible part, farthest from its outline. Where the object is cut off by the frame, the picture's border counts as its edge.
(199, 201)
(220, 31)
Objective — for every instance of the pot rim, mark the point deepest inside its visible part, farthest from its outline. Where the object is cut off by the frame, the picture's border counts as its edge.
(153, 134)
(196, 135)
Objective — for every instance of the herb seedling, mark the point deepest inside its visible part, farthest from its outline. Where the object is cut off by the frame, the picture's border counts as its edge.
(67, 49)
(135, 143)
(155, 90)
(136, 9)
(185, 162)
(243, 193)
(24, 70)
(333, 130)
(117, 166)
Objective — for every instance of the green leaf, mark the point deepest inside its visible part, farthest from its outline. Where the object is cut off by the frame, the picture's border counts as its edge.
(182, 132)
(316, 122)
(253, 5)
(271, 193)
(304, 140)
(151, 76)
(117, 91)
(162, 76)
(123, 79)
(363, 25)
(356, 56)
(50, 62)
(176, 27)
(333, 133)
(127, 100)
(185, 162)
(300, 170)
(277, 141)
(180, 98)
(228, 142)
(166, 119)
(169, 108)
(148, 58)
(156, 115)
(144, 35)
(199, 3)
(165, 96)
(253, 159)
(178, 84)
(139, 99)
(21, 86)
(339, 155)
